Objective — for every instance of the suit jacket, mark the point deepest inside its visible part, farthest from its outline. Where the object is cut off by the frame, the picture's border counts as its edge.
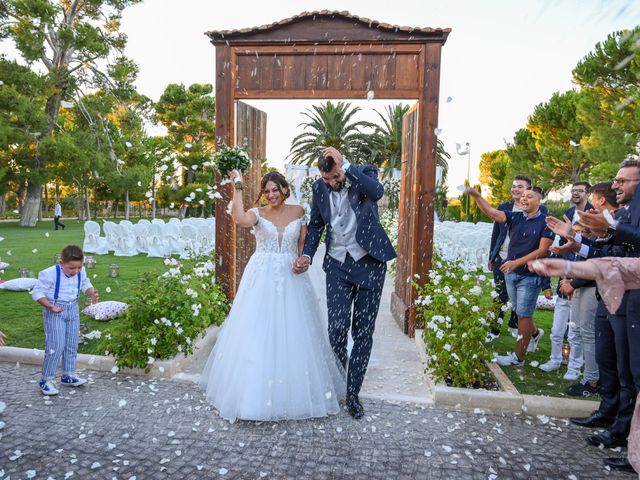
(364, 192)
(500, 231)
(628, 230)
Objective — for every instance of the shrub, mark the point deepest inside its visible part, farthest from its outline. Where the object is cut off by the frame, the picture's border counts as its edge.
(167, 314)
(389, 221)
(457, 311)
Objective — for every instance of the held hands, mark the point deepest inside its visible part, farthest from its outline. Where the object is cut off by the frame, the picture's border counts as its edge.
(548, 293)
(56, 309)
(566, 289)
(301, 264)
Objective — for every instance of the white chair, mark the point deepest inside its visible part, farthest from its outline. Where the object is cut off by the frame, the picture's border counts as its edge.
(125, 242)
(141, 233)
(172, 241)
(157, 221)
(175, 220)
(144, 221)
(155, 241)
(206, 239)
(126, 223)
(189, 236)
(110, 235)
(93, 242)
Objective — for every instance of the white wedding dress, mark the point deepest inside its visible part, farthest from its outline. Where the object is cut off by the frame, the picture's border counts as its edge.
(272, 359)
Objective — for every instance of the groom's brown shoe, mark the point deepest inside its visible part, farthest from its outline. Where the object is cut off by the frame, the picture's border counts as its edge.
(354, 407)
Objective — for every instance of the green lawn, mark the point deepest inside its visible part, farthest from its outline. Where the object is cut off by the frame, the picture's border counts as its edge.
(532, 380)
(20, 316)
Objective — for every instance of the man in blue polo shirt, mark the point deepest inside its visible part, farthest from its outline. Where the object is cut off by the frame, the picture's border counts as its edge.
(530, 238)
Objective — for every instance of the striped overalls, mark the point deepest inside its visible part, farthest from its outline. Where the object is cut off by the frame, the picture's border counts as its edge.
(61, 334)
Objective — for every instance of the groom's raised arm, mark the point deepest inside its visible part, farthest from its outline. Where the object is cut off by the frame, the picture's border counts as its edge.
(314, 229)
(365, 180)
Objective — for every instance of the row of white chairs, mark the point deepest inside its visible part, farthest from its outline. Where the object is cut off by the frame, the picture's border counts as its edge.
(155, 238)
(464, 241)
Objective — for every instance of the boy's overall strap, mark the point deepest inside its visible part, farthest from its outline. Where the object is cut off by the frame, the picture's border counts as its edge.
(56, 292)
(57, 289)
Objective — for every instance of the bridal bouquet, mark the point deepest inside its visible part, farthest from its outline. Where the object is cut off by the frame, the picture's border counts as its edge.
(231, 158)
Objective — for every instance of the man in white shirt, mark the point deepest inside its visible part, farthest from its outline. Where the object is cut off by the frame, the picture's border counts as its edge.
(57, 215)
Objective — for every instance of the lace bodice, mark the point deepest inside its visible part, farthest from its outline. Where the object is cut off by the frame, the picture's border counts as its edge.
(270, 239)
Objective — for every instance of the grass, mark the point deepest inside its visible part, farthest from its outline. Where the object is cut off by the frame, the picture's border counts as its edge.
(20, 316)
(531, 380)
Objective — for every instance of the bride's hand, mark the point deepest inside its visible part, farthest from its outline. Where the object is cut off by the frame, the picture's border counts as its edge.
(301, 264)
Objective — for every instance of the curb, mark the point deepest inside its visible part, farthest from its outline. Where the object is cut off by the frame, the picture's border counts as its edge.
(102, 363)
(509, 400)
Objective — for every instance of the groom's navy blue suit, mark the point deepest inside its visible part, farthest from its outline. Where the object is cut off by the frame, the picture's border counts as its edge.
(352, 283)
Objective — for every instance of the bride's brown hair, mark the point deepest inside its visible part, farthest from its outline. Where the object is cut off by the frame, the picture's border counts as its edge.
(279, 180)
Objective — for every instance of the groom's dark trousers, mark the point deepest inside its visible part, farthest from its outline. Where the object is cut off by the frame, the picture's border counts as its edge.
(353, 298)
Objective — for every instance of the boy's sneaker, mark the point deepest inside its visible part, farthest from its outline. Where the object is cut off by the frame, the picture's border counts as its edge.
(582, 389)
(47, 387)
(533, 343)
(571, 374)
(509, 360)
(550, 366)
(72, 381)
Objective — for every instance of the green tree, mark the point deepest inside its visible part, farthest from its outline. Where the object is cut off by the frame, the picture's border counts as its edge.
(71, 39)
(495, 172)
(329, 125)
(558, 134)
(610, 105)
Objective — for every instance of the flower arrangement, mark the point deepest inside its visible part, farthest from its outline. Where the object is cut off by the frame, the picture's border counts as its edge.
(306, 189)
(389, 221)
(392, 191)
(457, 309)
(168, 313)
(231, 158)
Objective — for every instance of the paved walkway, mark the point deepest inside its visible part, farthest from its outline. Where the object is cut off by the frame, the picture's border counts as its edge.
(135, 427)
(128, 427)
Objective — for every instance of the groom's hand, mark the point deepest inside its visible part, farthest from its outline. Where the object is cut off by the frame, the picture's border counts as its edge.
(301, 264)
(335, 154)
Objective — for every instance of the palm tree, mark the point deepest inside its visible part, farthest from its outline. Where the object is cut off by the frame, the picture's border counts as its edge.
(384, 147)
(329, 125)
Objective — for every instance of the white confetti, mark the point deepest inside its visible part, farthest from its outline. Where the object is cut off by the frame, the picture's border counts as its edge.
(111, 446)
(2, 406)
(68, 474)
(223, 471)
(534, 363)
(31, 473)
(327, 395)
(95, 465)
(114, 369)
(527, 467)
(46, 234)
(108, 289)
(35, 250)
(122, 403)
(449, 99)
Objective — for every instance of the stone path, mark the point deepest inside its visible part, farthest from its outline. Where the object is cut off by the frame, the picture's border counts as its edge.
(135, 427)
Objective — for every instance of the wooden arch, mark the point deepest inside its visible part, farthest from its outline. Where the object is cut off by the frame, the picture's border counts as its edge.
(331, 55)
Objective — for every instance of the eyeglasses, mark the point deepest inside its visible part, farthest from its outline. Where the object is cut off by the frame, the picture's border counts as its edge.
(622, 181)
(578, 190)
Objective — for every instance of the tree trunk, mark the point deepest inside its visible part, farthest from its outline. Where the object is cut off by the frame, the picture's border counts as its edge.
(116, 207)
(21, 192)
(87, 204)
(126, 205)
(3, 202)
(95, 202)
(31, 206)
(45, 207)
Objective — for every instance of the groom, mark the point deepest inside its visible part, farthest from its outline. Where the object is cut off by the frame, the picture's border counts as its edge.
(344, 201)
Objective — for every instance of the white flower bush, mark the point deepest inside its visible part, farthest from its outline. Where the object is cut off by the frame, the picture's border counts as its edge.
(167, 313)
(457, 310)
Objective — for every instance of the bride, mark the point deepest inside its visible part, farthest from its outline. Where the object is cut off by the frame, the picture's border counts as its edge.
(272, 359)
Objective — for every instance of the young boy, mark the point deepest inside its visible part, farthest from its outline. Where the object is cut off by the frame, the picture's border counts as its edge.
(57, 290)
(529, 239)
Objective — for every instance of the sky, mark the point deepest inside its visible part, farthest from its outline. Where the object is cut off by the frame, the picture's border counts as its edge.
(502, 58)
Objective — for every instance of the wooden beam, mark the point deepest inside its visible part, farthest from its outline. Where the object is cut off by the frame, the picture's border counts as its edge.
(366, 48)
(225, 228)
(427, 145)
(326, 94)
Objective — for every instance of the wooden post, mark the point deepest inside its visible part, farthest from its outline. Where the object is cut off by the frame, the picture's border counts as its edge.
(225, 228)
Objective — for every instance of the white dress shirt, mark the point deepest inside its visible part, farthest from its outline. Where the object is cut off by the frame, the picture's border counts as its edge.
(46, 285)
(57, 211)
